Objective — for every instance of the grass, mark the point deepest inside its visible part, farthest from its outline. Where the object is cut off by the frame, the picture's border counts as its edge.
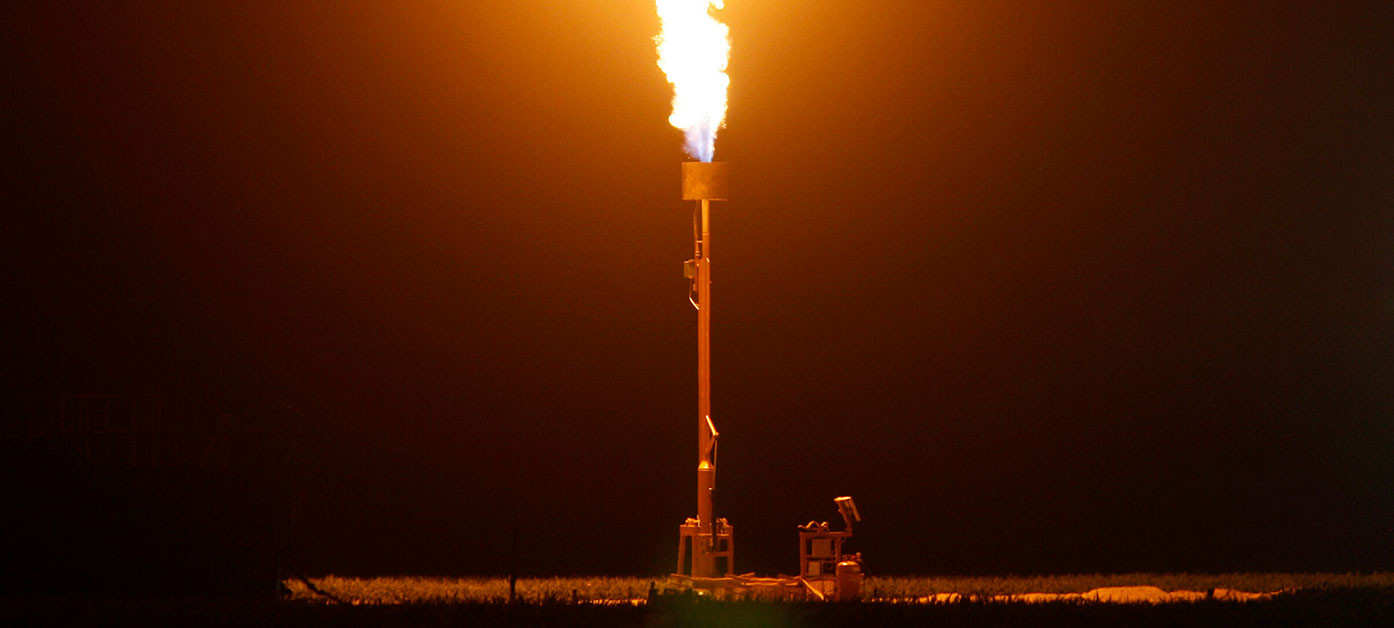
(905, 587)
(1320, 599)
(414, 590)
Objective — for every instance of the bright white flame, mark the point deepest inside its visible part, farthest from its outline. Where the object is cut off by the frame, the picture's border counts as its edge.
(692, 50)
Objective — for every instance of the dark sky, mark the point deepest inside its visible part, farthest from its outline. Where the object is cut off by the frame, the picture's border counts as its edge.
(1048, 287)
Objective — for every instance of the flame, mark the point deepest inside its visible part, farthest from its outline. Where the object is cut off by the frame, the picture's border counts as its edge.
(693, 50)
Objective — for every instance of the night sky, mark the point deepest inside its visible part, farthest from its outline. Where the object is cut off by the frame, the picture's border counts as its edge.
(1047, 287)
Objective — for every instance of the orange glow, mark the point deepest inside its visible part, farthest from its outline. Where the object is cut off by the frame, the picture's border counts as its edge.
(693, 50)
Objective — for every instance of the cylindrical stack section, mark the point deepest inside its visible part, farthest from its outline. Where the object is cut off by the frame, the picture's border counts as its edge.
(704, 182)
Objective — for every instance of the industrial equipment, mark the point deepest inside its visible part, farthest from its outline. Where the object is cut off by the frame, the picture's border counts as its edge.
(706, 543)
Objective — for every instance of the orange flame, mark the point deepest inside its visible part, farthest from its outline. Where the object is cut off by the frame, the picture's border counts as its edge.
(693, 50)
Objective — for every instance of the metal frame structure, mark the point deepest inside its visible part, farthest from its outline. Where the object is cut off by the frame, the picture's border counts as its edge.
(711, 541)
(706, 543)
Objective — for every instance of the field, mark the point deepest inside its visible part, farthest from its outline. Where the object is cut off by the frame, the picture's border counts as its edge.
(603, 590)
(1306, 599)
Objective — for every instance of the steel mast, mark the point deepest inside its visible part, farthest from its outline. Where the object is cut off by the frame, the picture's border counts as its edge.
(710, 538)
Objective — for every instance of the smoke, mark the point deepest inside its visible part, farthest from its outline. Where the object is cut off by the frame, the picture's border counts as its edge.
(693, 49)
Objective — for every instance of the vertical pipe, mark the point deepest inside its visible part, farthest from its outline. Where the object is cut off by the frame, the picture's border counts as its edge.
(702, 563)
(704, 182)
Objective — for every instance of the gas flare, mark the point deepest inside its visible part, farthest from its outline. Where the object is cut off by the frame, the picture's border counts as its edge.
(693, 49)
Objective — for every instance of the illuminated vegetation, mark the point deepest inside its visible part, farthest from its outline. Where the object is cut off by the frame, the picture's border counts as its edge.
(413, 590)
(903, 587)
(1325, 600)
